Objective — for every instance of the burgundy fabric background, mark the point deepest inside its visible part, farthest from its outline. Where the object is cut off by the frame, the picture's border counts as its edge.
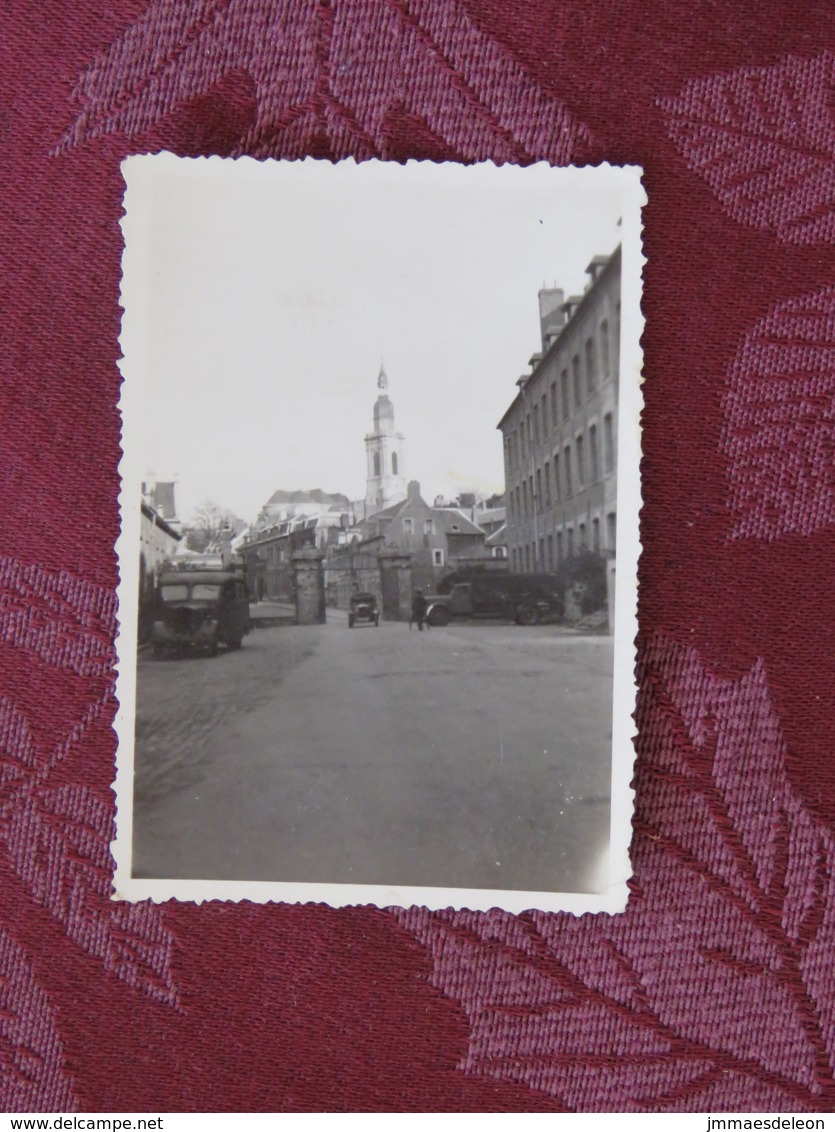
(715, 989)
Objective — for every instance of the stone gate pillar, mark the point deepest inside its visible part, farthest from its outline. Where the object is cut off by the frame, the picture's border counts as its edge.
(309, 579)
(396, 584)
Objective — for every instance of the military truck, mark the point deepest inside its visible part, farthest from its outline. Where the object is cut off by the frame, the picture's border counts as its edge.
(199, 610)
(526, 599)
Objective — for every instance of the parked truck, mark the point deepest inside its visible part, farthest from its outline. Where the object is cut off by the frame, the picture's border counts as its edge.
(526, 599)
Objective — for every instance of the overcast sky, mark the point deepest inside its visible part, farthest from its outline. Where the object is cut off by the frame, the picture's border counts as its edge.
(272, 290)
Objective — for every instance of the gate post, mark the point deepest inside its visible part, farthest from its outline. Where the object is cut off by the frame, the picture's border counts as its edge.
(396, 584)
(610, 591)
(309, 577)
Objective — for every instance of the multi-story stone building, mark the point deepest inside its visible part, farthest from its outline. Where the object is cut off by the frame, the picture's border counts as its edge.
(560, 432)
(283, 505)
(434, 538)
(159, 541)
(267, 551)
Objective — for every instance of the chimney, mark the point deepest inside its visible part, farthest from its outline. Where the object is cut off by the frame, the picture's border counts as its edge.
(164, 499)
(551, 318)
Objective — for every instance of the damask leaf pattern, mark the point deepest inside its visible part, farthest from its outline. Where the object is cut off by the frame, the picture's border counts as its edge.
(330, 68)
(19, 756)
(764, 140)
(715, 989)
(779, 428)
(33, 1076)
(58, 839)
(57, 835)
(66, 620)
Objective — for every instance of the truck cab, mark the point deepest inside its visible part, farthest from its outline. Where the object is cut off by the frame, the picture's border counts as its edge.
(197, 611)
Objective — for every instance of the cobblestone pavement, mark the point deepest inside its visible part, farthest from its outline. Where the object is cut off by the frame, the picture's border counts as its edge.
(469, 756)
(183, 703)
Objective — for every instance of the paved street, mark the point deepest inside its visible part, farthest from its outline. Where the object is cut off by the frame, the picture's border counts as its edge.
(471, 756)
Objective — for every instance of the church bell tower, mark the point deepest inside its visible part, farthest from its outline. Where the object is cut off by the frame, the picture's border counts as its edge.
(385, 483)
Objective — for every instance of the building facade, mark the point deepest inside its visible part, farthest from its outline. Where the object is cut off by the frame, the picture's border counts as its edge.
(434, 539)
(385, 478)
(283, 505)
(268, 554)
(415, 529)
(491, 516)
(159, 542)
(560, 432)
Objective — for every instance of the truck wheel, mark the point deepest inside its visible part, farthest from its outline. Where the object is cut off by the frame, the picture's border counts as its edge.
(527, 615)
(438, 617)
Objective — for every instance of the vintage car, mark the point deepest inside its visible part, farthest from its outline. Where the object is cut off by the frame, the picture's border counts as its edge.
(363, 611)
(198, 611)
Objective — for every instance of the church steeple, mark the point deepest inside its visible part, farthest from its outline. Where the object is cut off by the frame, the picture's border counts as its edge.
(386, 483)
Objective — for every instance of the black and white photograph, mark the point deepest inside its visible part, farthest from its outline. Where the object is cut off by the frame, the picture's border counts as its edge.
(379, 532)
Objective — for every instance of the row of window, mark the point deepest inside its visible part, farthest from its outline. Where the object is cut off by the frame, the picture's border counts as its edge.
(554, 548)
(566, 396)
(428, 526)
(555, 480)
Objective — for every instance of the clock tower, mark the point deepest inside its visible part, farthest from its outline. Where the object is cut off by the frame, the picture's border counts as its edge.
(385, 483)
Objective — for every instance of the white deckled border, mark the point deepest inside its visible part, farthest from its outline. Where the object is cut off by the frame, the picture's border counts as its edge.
(142, 177)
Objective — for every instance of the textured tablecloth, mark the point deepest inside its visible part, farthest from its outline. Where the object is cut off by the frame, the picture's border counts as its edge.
(716, 989)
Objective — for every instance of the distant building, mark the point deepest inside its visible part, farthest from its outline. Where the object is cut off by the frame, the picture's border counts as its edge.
(288, 522)
(560, 431)
(496, 543)
(395, 524)
(283, 505)
(385, 481)
(488, 515)
(435, 538)
(267, 552)
(465, 538)
(491, 516)
(413, 527)
(159, 541)
(159, 495)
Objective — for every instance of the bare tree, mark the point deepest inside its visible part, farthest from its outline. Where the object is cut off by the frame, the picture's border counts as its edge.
(206, 525)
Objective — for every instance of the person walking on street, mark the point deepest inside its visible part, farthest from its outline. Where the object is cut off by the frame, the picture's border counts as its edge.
(419, 610)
